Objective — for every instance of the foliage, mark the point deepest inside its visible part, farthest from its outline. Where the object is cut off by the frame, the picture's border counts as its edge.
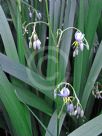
(29, 76)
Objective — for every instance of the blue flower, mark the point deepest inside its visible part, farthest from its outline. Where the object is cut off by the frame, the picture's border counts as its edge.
(70, 108)
(79, 43)
(65, 92)
(79, 36)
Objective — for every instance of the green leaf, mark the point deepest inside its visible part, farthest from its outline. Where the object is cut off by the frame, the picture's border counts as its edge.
(52, 126)
(91, 128)
(94, 72)
(78, 63)
(56, 15)
(90, 30)
(13, 10)
(62, 117)
(20, 42)
(26, 75)
(7, 37)
(32, 100)
(66, 39)
(15, 110)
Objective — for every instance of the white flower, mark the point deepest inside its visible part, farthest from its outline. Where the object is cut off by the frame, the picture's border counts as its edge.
(75, 52)
(36, 44)
(79, 36)
(65, 92)
(35, 37)
(81, 45)
(82, 113)
(38, 15)
(30, 14)
(30, 44)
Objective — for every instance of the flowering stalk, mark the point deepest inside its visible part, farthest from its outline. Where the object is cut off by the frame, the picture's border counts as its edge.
(36, 42)
(79, 40)
(68, 100)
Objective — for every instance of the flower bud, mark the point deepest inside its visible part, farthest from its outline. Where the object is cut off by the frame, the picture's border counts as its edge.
(81, 113)
(38, 44)
(35, 37)
(30, 14)
(34, 45)
(70, 107)
(81, 45)
(30, 44)
(75, 53)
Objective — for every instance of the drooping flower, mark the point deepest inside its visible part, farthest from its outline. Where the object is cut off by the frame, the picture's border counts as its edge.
(30, 44)
(75, 52)
(36, 44)
(38, 15)
(79, 111)
(81, 46)
(79, 43)
(65, 92)
(70, 108)
(30, 14)
(97, 94)
(79, 37)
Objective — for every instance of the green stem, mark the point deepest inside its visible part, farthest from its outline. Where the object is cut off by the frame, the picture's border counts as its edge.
(57, 102)
(50, 28)
(62, 32)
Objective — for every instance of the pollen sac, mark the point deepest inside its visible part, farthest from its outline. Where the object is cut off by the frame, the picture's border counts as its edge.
(65, 92)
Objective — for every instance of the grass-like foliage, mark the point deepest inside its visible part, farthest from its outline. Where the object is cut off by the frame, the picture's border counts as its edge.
(50, 67)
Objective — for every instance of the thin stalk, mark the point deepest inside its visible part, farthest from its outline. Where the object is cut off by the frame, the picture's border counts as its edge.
(50, 28)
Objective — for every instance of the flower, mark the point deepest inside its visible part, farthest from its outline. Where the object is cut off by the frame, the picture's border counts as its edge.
(36, 44)
(79, 43)
(70, 108)
(38, 15)
(79, 36)
(79, 111)
(30, 14)
(75, 52)
(97, 94)
(81, 46)
(65, 92)
(30, 44)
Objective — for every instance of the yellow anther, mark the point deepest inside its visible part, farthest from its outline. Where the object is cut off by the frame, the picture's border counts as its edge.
(75, 44)
(65, 99)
